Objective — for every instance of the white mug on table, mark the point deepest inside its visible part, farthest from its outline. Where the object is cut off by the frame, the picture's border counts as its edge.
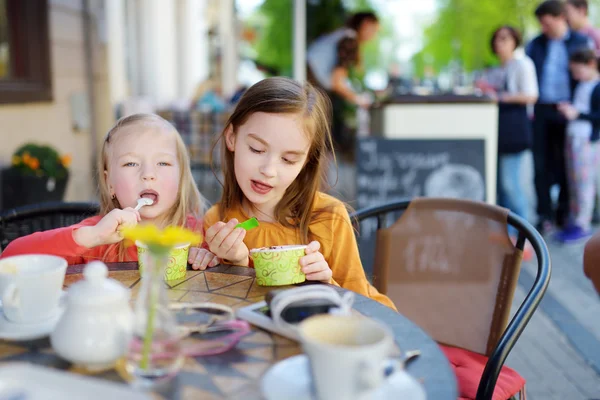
(31, 286)
(347, 354)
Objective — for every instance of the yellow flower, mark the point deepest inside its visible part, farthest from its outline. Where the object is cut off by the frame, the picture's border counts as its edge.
(16, 160)
(161, 240)
(159, 243)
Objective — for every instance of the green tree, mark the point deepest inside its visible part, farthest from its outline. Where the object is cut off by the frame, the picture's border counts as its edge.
(462, 29)
(274, 42)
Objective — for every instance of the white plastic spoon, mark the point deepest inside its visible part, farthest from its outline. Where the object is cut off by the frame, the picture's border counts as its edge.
(143, 201)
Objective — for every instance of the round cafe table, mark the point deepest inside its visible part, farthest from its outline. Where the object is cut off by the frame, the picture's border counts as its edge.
(236, 374)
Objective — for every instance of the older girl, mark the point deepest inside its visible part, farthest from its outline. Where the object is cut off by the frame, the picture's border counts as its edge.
(275, 149)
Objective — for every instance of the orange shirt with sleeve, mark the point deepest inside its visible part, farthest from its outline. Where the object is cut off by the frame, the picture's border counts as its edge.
(333, 230)
(60, 242)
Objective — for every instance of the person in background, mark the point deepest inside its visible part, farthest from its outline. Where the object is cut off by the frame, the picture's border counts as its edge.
(518, 89)
(581, 149)
(550, 53)
(578, 19)
(576, 12)
(208, 97)
(330, 58)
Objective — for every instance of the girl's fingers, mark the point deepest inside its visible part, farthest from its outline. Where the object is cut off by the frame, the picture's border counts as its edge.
(213, 230)
(312, 247)
(132, 212)
(323, 276)
(127, 219)
(215, 261)
(202, 261)
(233, 240)
(192, 255)
(195, 262)
(236, 245)
(206, 258)
(311, 259)
(315, 267)
(224, 233)
(199, 259)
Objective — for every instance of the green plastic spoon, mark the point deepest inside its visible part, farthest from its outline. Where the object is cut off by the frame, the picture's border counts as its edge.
(248, 224)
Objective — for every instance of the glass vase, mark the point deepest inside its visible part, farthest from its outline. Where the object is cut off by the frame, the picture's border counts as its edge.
(154, 352)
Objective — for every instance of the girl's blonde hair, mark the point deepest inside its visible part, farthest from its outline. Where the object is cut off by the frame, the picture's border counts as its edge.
(285, 96)
(191, 202)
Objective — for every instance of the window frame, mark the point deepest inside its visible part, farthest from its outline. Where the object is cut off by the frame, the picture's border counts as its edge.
(30, 39)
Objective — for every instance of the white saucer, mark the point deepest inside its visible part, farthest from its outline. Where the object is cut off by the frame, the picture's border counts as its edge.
(290, 379)
(19, 380)
(14, 331)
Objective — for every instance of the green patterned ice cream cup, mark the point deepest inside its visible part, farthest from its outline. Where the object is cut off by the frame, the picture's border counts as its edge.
(278, 265)
(176, 262)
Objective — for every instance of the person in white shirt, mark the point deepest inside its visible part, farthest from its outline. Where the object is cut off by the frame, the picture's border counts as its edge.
(515, 87)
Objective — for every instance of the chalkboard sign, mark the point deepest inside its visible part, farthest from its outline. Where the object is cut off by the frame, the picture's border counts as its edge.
(397, 169)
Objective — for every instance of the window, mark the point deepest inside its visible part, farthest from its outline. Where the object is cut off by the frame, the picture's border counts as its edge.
(24, 52)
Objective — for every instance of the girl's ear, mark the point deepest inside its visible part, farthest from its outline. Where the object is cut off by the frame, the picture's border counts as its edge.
(230, 138)
(110, 188)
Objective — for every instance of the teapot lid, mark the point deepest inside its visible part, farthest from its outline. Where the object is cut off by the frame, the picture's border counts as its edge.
(96, 288)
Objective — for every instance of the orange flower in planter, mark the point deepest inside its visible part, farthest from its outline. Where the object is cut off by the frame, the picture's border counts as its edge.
(41, 160)
(37, 172)
(33, 163)
(66, 160)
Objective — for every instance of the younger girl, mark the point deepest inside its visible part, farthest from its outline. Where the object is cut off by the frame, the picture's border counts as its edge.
(142, 156)
(276, 145)
(581, 147)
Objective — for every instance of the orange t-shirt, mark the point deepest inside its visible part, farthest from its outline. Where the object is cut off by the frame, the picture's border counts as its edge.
(333, 231)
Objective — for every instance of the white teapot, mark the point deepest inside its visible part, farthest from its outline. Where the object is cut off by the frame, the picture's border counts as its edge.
(97, 325)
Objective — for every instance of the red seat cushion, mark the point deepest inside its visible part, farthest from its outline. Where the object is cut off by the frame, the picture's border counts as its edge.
(468, 367)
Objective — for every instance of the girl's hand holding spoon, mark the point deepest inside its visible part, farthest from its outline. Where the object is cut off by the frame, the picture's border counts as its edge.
(107, 230)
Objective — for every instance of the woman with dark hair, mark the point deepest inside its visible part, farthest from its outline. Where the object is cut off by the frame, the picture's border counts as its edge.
(330, 58)
(516, 89)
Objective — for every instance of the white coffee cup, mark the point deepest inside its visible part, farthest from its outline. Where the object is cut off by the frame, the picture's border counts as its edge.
(31, 286)
(347, 354)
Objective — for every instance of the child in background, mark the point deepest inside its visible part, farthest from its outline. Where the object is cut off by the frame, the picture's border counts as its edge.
(581, 147)
(142, 156)
(275, 150)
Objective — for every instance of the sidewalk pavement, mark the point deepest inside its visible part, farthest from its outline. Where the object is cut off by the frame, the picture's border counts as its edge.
(559, 351)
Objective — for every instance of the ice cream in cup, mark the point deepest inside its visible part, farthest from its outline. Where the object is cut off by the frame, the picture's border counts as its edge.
(278, 265)
(176, 267)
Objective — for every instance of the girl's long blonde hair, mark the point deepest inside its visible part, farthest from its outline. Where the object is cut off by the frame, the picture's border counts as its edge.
(284, 96)
(191, 203)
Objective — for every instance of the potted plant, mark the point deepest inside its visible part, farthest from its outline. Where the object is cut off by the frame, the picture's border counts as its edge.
(38, 173)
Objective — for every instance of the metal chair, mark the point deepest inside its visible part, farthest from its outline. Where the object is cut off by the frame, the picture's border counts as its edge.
(450, 266)
(25, 220)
